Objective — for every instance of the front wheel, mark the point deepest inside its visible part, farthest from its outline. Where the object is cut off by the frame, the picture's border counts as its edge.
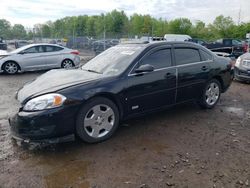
(211, 94)
(10, 67)
(97, 120)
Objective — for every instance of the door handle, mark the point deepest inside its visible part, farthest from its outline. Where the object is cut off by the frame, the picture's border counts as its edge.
(167, 75)
(204, 68)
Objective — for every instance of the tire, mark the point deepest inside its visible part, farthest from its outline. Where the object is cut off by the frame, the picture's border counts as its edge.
(10, 67)
(211, 94)
(67, 63)
(97, 120)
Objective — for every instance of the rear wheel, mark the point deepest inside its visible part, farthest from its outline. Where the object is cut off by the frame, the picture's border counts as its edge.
(67, 63)
(211, 94)
(97, 120)
(10, 67)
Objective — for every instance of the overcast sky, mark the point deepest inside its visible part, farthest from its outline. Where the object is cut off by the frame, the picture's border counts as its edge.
(30, 12)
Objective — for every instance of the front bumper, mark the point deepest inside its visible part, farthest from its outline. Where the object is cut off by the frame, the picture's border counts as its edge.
(47, 126)
(241, 74)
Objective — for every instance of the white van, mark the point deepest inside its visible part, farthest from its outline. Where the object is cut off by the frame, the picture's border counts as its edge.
(176, 37)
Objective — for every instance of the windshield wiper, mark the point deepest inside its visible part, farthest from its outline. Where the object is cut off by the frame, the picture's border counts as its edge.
(89, 70)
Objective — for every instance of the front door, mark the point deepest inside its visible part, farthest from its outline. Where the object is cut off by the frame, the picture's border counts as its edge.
(32, 58)
(152, 90)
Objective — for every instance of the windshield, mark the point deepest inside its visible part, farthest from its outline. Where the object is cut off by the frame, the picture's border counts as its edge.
(21, 49)
(113, 61)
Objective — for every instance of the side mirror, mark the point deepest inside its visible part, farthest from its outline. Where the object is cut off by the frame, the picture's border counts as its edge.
(144, 68)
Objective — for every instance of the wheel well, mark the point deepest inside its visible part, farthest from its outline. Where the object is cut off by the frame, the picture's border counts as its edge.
(69, 60)
(113, 99)
(220, 80)
(19, 68)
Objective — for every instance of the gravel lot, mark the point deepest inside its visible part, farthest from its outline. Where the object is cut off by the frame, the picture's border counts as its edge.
(180, 147)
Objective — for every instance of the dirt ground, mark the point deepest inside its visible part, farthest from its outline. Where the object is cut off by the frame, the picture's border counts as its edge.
(180, 147)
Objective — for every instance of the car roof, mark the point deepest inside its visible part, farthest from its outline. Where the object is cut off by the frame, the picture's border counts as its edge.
(38, 44)
(161, 43)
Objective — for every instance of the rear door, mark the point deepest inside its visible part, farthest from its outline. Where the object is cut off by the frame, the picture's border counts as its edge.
(53, 55)
(152, 90)
(193, 72)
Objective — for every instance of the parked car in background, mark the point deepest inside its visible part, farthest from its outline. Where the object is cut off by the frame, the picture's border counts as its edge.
(242, 68)
(198, 41)
(124, 81)
(3, 53)
(3, 45)
(101, 45)
(156, 39)
(245, 44)
(233, 47)
(21, 43)
(38, 57)
(176, 37)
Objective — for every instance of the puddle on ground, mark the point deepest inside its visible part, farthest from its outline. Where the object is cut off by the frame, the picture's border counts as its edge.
(236, 110)
(73, 174)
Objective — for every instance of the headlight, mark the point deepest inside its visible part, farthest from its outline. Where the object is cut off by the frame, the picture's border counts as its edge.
(238, 61)
(43, 102)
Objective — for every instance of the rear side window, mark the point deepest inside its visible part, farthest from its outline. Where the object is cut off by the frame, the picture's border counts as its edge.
(206, 56)
(158, 59)
(187, 55)
(227, 42)
(52, 48)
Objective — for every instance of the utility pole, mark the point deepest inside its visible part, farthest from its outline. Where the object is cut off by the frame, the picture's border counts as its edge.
(104, 33)
(74, 33)
(239, 18)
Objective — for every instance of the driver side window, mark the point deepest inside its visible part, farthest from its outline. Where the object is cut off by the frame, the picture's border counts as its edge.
(159, 59)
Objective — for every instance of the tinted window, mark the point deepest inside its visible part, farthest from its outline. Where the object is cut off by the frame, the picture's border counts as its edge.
(186, 55)
(206, 56)
(227, 42)
(220, 41)
(52, 48)
(236, 42)
(159, 59)
(114, 60)
(35, 49)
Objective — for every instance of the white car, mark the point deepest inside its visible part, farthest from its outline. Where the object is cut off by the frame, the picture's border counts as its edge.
(3, 52)
(38, 57)
(176, 37)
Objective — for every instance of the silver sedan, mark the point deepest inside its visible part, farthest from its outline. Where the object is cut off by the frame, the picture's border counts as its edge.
(38, 57)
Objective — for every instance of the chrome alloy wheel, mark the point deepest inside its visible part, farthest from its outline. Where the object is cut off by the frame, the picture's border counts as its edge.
(99, 120)
(67, 64)
(212, 93)
(11, 68)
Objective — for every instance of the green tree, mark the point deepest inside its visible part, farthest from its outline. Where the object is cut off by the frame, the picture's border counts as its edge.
(222, 27)
(5, 29)
(180, 26)
(18, 31)
(136, 24)
(46, 31)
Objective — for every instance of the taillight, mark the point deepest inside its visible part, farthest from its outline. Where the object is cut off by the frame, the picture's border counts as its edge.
(245, 47)
(75, 52)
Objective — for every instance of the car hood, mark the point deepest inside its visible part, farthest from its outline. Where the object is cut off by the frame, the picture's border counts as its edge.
(245, 56)
(55, 80)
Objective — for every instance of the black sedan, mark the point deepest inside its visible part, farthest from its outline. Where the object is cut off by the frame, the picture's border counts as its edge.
(124, 81)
